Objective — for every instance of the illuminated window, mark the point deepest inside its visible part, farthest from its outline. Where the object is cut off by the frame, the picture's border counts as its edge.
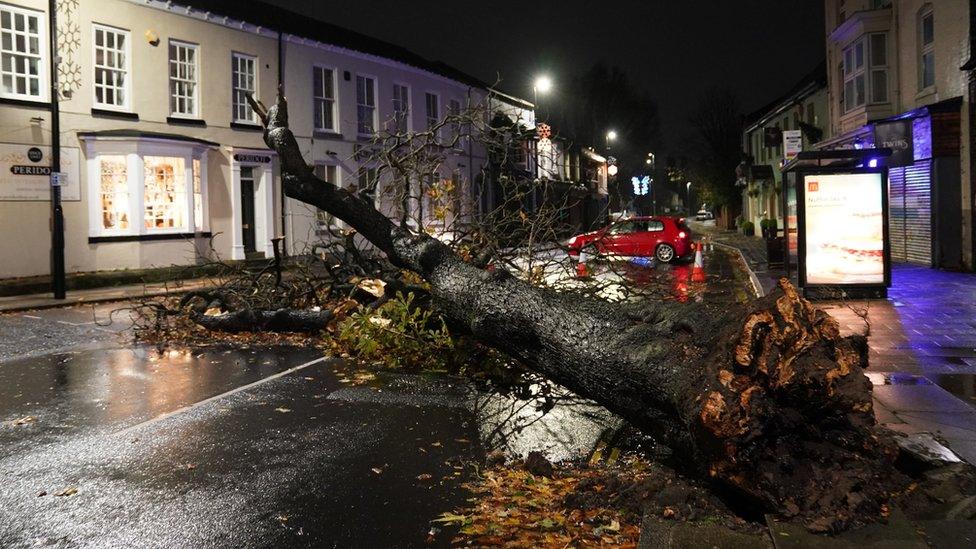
(198, 218)
(401, 108)
(365, 105)
(926, 48)
(164, 197)
(111, 67)
(244, 80)
(22, 70)
(168, 184)
(114, 192)
(324, 99)
(182, 79)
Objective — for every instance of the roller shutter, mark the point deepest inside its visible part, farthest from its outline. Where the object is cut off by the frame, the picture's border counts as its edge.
(910, 213)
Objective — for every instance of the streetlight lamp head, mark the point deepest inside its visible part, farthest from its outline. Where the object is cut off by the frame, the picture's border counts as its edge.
(543, 84)
(611, 135)
(648, 161)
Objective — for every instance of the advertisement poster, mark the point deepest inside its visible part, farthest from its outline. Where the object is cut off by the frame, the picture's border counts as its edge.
(25, 173)
(844, 227)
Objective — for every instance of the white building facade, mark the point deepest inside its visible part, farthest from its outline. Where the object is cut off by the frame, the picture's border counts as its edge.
(164, 159)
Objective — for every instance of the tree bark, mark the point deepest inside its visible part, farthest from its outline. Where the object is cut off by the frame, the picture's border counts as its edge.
(765, 397)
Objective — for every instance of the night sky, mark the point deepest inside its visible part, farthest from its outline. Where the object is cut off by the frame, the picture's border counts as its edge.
(673, 49)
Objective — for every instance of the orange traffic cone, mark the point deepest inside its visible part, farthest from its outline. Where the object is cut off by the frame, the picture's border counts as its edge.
(698, 271)
(581, 270)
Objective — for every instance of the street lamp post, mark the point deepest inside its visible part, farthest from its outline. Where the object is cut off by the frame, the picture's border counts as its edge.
(688, 198)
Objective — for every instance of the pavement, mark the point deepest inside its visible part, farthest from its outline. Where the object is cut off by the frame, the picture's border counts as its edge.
(99, 295)
(922, 342)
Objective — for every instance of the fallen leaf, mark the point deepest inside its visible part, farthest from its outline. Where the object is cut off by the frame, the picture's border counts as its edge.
(435, 444)
(69, 491)
(377, 470)
(282, 410)
(424, 476)
(23, 421)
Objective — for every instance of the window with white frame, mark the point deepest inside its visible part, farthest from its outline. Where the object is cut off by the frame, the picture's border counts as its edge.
(365, 105)
(432, 110)
(165, 187)
(865, 71)
(454, 110)
(183, 88)
(330, 174)
(112, 87)
(878, 53)
(164, 195)
(367, 183)
(244, 80)
(401, 108)
(926, 48)
(199, 220)
(114, 192)
(22, 49)
(324, 99)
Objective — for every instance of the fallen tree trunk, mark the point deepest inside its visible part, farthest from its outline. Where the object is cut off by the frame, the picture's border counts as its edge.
(251, 320)
(766, 397)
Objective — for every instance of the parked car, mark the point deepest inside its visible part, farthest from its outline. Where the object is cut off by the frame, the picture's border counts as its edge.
(664, 238)
(704, 215)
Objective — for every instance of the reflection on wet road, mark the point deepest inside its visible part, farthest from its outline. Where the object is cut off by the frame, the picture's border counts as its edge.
(239, 448)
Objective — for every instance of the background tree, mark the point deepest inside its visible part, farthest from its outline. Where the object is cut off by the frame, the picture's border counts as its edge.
(714, 148)
(604, 98)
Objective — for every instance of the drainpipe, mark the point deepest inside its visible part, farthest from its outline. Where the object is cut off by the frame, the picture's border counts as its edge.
(57, 213)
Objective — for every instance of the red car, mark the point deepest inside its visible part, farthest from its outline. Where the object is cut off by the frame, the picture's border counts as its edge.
(665, 238)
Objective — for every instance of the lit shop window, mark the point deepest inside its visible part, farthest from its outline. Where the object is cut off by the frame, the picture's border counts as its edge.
(197, 196)
(111, 68)
(22, 70)
(165, 193)
(114, 192)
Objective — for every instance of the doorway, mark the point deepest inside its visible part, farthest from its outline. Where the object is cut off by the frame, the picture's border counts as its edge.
(247, 210)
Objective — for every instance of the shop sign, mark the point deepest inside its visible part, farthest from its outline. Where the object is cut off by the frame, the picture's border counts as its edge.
(792, 144)
(24, 176)
(843, 228)
(252, 158)
(897, 136)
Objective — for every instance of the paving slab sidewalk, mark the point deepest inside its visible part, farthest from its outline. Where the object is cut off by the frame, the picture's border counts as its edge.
(922, 342)
(97, 295)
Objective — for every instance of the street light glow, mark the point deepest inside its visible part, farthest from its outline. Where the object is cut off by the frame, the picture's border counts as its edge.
(611, 135)
(543, 84)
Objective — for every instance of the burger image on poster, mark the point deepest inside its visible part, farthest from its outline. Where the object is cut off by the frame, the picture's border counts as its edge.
(844, 229)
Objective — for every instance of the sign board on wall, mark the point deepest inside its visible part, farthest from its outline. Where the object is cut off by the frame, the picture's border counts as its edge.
(897, 136)
(792, 144)
(25, 173)
(843, 229)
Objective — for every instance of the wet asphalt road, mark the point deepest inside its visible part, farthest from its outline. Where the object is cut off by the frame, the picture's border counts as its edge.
(269, 447)
(264, 447)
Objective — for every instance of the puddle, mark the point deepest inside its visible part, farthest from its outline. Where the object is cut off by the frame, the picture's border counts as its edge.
(962, 386)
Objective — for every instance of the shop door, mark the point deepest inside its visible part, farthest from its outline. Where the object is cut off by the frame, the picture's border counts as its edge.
(247, 208)
(910, 213)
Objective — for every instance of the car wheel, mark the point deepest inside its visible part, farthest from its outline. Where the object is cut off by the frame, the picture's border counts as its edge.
(664, 253)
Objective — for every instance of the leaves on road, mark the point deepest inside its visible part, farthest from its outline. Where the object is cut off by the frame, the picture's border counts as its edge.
(69, 491)
(26, 420)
